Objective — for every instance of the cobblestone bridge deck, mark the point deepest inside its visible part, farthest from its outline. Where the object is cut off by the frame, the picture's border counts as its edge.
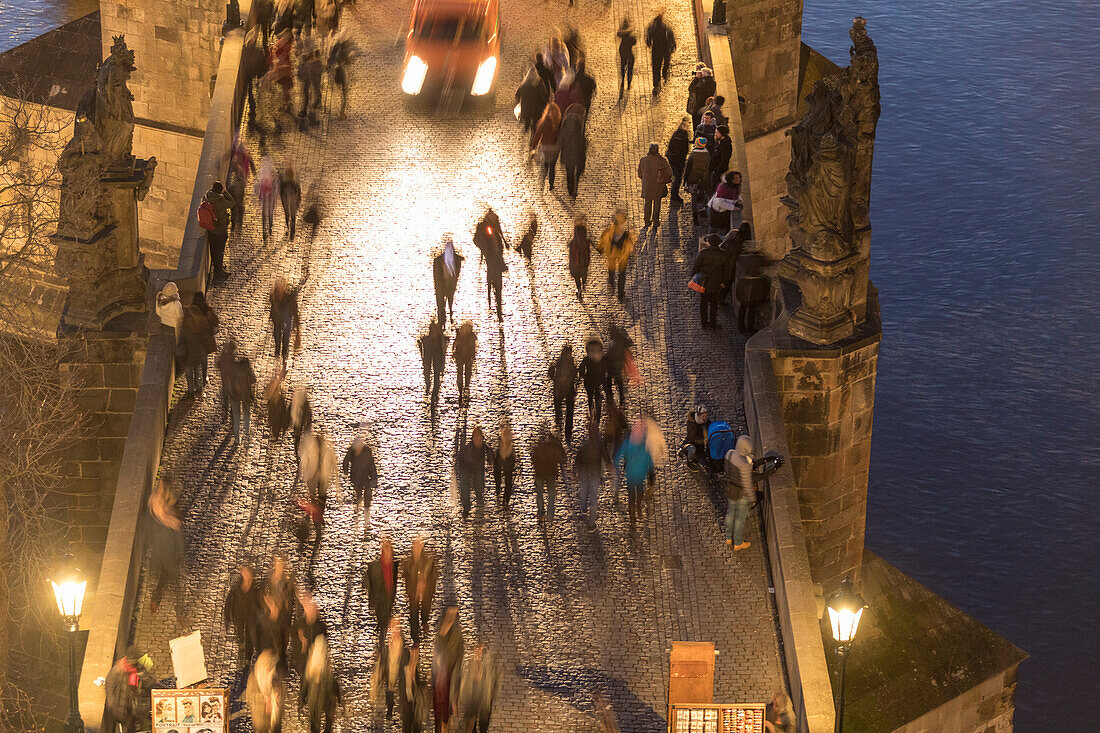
(564, 610)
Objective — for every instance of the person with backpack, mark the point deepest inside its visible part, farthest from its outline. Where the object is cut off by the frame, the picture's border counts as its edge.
(661, 42)
(709, 266)
(616, 244)
(656, 174)
(563, 379)
(580, 254)
(574, 146)
(214, 217)
(290, 195)
(283, 313)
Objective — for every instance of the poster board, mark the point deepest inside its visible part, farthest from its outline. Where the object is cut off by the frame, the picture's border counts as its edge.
(188, 659)
(721, 718)
(201, 710)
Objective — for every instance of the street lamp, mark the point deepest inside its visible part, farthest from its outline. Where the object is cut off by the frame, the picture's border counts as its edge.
(69, 585)
(845, 608)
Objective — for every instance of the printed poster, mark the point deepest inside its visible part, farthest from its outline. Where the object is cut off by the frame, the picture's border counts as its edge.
(189, 711)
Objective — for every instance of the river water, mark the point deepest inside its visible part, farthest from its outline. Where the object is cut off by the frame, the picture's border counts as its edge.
(985, 460)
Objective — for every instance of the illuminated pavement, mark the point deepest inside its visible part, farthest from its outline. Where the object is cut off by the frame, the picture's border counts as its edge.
(565, 611)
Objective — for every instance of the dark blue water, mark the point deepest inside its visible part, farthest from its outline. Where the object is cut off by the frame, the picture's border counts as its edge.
(985, 471)
(22, 20)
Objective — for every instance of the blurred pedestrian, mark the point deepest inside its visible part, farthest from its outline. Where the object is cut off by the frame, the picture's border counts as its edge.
(446, 267)
(661, 42)
(615, 427)
(563, 381)
(317, 464)
(732, 246)
(489, 239)
(656, 173)
(266, 694)
(470, 465)
(542, 69)
(235, 187)
(310, 71)
(278, 409)
(657, 448)
(290, 194)
(568, 93)
(463, 352)
(636, 464)
(619, 362)
(545, 140)
(165, 541)
(447, 669)
(309, 627)
(320, 693)
(340, 56)
(433, 353)
(414, 693)
(277, 594)
(279, 66)
(504, 465)
(593, 374)
(708, 271)
(227, 356)
(362, 471)
(591, 463)
(676, 153)
(264, 16)
(301, 414)
(778, 716)
(616, 244)
(696, 177)
(285, 321)
(585, 84)
(627, 40)
(483, 683)
(127, 683)
(752, 289)
(740, 491)
(239, 391)
(380, 582)
(420, 571)
(218, 234)
(526, 246)
(242, 609)
(197, 343)
(531, 99)
(580, 254)
(574, 147)
(266, 189)
(604, 714)
(547, 459)
(391, 655)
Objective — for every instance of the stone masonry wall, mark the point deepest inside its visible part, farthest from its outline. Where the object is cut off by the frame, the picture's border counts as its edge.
(162, 215)
(766, 38)
(768, 158)
(985, 708)
(108, 366)
(828, 407)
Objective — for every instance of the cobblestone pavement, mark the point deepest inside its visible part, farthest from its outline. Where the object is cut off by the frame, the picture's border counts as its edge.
(565, 610)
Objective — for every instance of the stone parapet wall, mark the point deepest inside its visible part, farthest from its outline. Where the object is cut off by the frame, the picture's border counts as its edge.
(766, 36)
(161, 222)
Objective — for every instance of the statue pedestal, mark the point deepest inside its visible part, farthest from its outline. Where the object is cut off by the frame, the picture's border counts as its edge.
(105, 270)
(825, 315)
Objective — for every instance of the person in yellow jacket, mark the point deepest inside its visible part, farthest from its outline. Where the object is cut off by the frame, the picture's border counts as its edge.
(616, 244)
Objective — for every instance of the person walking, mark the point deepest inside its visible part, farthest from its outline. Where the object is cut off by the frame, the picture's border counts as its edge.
(280, 71)
(320, 693)
(636, 463)
(340, 56)
(241, 611)
(470, 465)
(310, 71)
(127, 682)
(238, 386)
(591, 463)
(696, 176)
(563, 381)
(545, 139)
(662, 43)
(627, 40)
(574, 147)
(265, 693)
(676, 153)
(463, 352)
(447, 668)
(278, 409)
(446, 267)
(616, 244)
(483, 683)
(593, 373)
(216, 236)
(283, 313)
(489, 239)
(615, 428)
(532, 97)
(709, 265)
(584, 83)
(740, 491)
(433, 353)
(380, 582)
(266, 189)
(301, 414)
(547, 458)
(656, 174)
(619, 362)
(362, 472)
(504, 465)
(197, 342)
(290, 195)
(580, 254)
(165, 540)
(391, 652)
(420, 571)
(413, 698)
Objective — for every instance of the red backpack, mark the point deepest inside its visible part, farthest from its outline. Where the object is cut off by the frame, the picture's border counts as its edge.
(208, 217)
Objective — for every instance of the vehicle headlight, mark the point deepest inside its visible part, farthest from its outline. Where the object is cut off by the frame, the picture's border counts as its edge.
(415, 71)
(484, 79)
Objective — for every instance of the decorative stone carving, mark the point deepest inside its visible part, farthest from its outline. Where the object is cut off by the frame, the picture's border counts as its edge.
(97, 238)
(828, 197)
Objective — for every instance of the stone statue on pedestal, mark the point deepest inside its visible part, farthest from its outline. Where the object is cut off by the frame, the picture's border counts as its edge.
(828, 197)
(97, 250)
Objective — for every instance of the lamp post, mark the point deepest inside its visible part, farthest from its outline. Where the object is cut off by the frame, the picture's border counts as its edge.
(69, 585)
(845, 608)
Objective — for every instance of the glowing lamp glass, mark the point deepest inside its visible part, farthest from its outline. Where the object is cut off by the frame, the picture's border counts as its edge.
(483, 81)
(69, 595)
(845, 623)
(415, 73)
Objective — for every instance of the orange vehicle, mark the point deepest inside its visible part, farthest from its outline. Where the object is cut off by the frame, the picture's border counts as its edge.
(453, 45)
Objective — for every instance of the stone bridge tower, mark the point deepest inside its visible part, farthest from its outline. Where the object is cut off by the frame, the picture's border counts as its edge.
(178, 43)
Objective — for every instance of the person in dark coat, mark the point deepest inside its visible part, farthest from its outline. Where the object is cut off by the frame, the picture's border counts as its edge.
(362, 471)
(547, 459)
(197, 342)
(751, 290)
(309, 628)
(278, 408)
(574, 146)
(563, 380)
(591, 462)
(446, 267)
(489, 239)
(242, 609)
(290, 194)
(283, 313)
(585, 84)
(661, 42)
(698, 421)
(708, 128)
(238, 386)
(580, 254)
(593, 374)
(216, 238)
(711, 264)
(165, 541)
(697, 177)
(277, 594)
(701, 88)
(732, 245)
(676, 153)
(627, 40)
(655, 173)
(720, 158)
(125, 686)
(420, 571)
(380, 581)
(463, 352)
(618, 353)
(504, 465)
(546, 74)
(433, 354)
(533, 95)
(470, 465)
(545, 138)
(320, 692)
